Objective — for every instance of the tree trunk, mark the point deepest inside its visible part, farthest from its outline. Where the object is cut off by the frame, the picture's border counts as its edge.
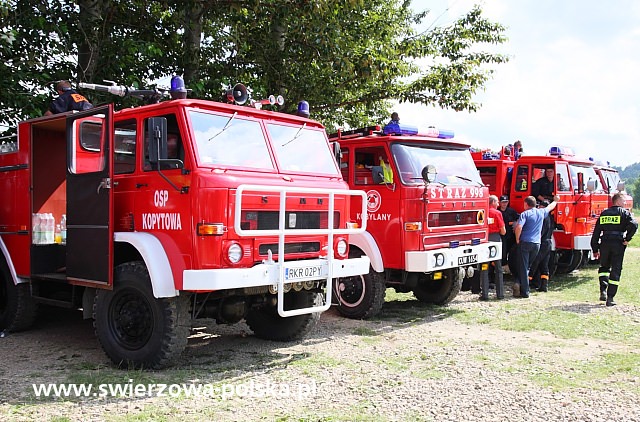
(193, 11)
(89, 46)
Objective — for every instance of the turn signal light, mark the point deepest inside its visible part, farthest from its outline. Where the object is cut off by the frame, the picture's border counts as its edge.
(581, 220)
(211, 229)
(413, 226)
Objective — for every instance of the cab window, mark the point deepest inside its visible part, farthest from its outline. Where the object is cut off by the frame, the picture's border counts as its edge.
(124, 154)
(175, 147)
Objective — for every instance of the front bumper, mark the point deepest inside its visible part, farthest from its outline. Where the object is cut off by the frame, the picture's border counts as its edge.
(268, 274)
(445, 258)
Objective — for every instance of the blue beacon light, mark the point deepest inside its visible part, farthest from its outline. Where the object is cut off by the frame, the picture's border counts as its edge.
(403, 129)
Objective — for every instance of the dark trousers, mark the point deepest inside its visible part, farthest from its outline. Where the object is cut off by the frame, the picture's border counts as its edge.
(540, 265)
(611, 257)
(528, 252)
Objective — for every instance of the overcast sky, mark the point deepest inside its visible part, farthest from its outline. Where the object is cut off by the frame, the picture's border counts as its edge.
(573, 78)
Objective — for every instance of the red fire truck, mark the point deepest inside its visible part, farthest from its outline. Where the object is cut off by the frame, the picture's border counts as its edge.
(177, 210)
(612, 183)
(576, 183)
(426, 228)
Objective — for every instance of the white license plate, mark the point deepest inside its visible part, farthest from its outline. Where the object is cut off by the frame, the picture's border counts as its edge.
(310, 272)
(468, 259)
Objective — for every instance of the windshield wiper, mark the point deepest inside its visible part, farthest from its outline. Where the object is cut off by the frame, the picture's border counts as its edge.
(296, 136)
(466, 179)
(225, 126)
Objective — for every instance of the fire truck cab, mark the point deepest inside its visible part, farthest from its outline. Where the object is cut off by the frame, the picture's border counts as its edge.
(612, 183)
(575, 182)
(427, 225)
(178, 210)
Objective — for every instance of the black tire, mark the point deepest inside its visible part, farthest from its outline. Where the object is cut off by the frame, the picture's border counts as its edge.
(360, 297)
(568, 260)
(439, 292)
(17, 309)
(267, 324)
(135, 329)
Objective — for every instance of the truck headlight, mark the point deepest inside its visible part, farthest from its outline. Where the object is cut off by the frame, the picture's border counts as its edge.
(234, 253)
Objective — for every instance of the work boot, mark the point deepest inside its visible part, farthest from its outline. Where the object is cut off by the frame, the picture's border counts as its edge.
(544, 283)
(604, 283)
(611, 293)
(516, 290)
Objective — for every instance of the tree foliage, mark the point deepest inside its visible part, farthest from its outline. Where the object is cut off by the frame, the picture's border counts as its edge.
(348, 59)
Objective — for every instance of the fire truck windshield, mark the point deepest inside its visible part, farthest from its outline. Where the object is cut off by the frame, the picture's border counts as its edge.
(588, 174)
(453, 165)
(220, 143)
(302, 149)
(611, 179)
(223, 141)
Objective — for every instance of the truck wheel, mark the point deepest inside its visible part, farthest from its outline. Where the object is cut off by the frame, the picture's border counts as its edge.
(267, 324)
(17, 308)
(361, 296)
(135, 329)
(439, 292)
(568, 260)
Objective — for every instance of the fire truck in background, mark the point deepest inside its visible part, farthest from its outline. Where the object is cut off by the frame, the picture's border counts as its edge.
(427, 225)
(612, 183)
(177, 210)
(582, 198)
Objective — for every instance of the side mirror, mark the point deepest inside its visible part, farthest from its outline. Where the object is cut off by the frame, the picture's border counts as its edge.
(377, 175)
(335, 147)
(580, 182)
(429, 173)
(157, 135)
(592, 185)
(620, 187)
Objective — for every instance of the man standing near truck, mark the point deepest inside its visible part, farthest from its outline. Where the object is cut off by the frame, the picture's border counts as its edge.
(68, 100)
(528, 235)
(496, 230)
(614, 229)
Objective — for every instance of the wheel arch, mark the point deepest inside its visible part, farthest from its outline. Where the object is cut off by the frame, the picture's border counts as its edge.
(150, 250)
(367, 244)
(9, 263)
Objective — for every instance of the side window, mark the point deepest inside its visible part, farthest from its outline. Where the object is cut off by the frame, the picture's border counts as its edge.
(372, 166)
(87, 146)
(562, 178)
(522, 179)
(345, 164)
(124, 154)
(175, 147)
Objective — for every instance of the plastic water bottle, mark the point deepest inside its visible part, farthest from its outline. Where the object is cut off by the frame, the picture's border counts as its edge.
(35, 229)
(50, 229)
(63, 229)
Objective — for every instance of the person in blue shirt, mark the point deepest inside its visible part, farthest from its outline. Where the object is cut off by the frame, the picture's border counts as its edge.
(528, 231)
(68, 100)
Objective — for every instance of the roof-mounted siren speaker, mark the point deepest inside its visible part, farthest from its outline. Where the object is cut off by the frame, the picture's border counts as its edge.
(238, 94)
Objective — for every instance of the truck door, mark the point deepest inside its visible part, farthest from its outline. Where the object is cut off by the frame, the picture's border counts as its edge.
(90, 197)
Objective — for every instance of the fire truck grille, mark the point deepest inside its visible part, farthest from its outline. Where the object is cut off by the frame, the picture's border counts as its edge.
(301, 247)
(443, 239)
(452, 218)
(268, 220)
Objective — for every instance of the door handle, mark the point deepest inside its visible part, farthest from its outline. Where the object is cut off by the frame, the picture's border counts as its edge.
(104, 183)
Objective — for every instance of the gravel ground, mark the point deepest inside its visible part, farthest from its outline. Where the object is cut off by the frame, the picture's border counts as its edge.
(416, 363)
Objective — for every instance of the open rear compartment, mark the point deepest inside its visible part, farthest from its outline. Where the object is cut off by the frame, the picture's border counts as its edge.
(48, 196)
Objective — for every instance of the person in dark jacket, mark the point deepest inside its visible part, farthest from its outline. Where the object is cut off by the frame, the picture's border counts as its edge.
(539, 271)
(510, 216)
(613, 232)
(68, 100)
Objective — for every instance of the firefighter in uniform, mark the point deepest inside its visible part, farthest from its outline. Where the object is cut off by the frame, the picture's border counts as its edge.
(614, 229)
(68, 100)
